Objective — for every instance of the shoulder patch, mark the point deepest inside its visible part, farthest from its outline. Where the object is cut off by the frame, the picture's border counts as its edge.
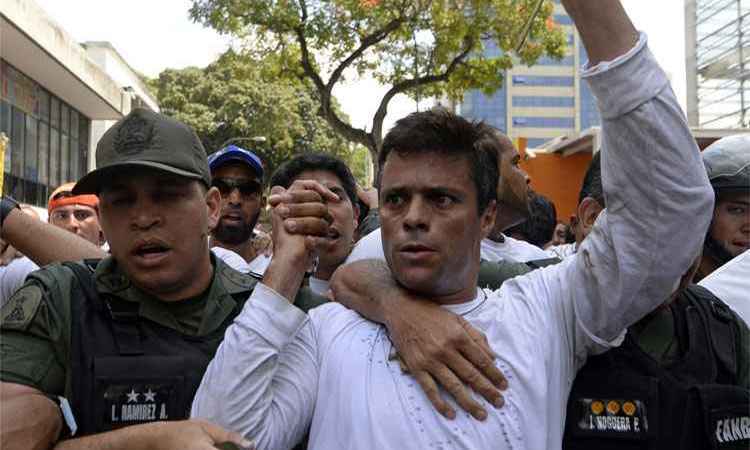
(239, 280)
(21, 308)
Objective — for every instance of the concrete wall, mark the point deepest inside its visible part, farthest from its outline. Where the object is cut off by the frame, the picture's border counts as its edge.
(31, 41)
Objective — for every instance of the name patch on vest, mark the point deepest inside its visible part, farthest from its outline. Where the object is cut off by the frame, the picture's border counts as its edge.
(732, 430)
(622, 417)
(128, 404)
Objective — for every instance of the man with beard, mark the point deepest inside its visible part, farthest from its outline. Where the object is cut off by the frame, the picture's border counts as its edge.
(512, 209)
(238, 175)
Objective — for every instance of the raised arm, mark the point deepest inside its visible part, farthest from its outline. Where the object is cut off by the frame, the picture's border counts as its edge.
(658, 199)
(44, 243)
(262, 381)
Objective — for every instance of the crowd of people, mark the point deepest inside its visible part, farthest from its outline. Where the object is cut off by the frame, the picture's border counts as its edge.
(448, 309)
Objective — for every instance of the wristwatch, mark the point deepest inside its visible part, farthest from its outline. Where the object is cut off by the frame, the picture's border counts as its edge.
(7, 205)
(69, 422)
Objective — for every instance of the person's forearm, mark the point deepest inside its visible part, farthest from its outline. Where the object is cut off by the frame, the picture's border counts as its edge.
(44, 243)
(28, 419)
(262, 382)
(604, 27)
(138, 436)
(363, 286)
(285, 274)
(658, 200)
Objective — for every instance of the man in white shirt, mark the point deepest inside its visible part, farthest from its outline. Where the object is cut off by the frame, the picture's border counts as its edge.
(731, 283)
(238, 175)
(77, 214)
(278, 372)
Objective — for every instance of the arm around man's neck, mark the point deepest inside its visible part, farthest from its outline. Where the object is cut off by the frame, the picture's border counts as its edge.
(435, 345)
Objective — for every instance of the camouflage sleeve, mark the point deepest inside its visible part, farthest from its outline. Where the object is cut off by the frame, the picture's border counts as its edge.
(370, 223)
(35, 330)
(493, 274)
(306, 299)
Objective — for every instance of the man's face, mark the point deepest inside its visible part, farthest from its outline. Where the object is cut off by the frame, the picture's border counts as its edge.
(430, 223)
(157, 226)
(731, 223)
(81, 220)
(341, 232)
(513, 191)
(241, 202)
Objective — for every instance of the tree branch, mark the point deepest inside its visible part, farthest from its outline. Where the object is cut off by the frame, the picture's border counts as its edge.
(377, 121)
(367, 42)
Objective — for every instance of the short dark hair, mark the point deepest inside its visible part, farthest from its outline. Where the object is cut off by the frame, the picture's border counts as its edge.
(592, 181)
(440, 131)
(285, 175)
(539, 228)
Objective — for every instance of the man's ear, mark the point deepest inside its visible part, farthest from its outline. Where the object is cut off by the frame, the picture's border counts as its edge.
(213, 203)
(487, 221)
(588, 211)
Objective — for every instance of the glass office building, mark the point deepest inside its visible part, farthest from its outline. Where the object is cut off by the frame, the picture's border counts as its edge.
(49, 139)
(540, 102)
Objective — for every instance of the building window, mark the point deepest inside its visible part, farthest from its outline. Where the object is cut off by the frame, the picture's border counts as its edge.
(544, 122)
(31, 160)
(550, 102)
(54, 158)
(46, 135)
(43, 163)
(541, 80)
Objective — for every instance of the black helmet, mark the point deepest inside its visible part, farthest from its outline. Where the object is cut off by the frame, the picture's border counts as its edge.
(727, 163)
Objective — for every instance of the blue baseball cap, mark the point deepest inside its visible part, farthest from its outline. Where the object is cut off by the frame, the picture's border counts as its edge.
(234, 153)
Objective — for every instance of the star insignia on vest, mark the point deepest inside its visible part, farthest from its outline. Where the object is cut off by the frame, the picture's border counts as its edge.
(628, 408)
(134, 135)
(597, 407)
(613, 407)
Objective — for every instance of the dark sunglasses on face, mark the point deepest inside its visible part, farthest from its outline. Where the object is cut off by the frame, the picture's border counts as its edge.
(227, 185)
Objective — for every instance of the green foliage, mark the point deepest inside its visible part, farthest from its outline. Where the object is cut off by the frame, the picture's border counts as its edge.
(360, 164)
(237, 98)
(417, 47)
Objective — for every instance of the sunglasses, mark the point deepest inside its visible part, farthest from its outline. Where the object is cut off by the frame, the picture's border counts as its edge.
(227, 185)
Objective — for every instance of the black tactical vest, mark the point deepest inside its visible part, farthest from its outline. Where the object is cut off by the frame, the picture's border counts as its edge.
(127, 369)
(624, 399)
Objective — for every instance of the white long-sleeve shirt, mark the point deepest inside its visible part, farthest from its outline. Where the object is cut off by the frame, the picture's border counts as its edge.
(731, 283)
(278, 371)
